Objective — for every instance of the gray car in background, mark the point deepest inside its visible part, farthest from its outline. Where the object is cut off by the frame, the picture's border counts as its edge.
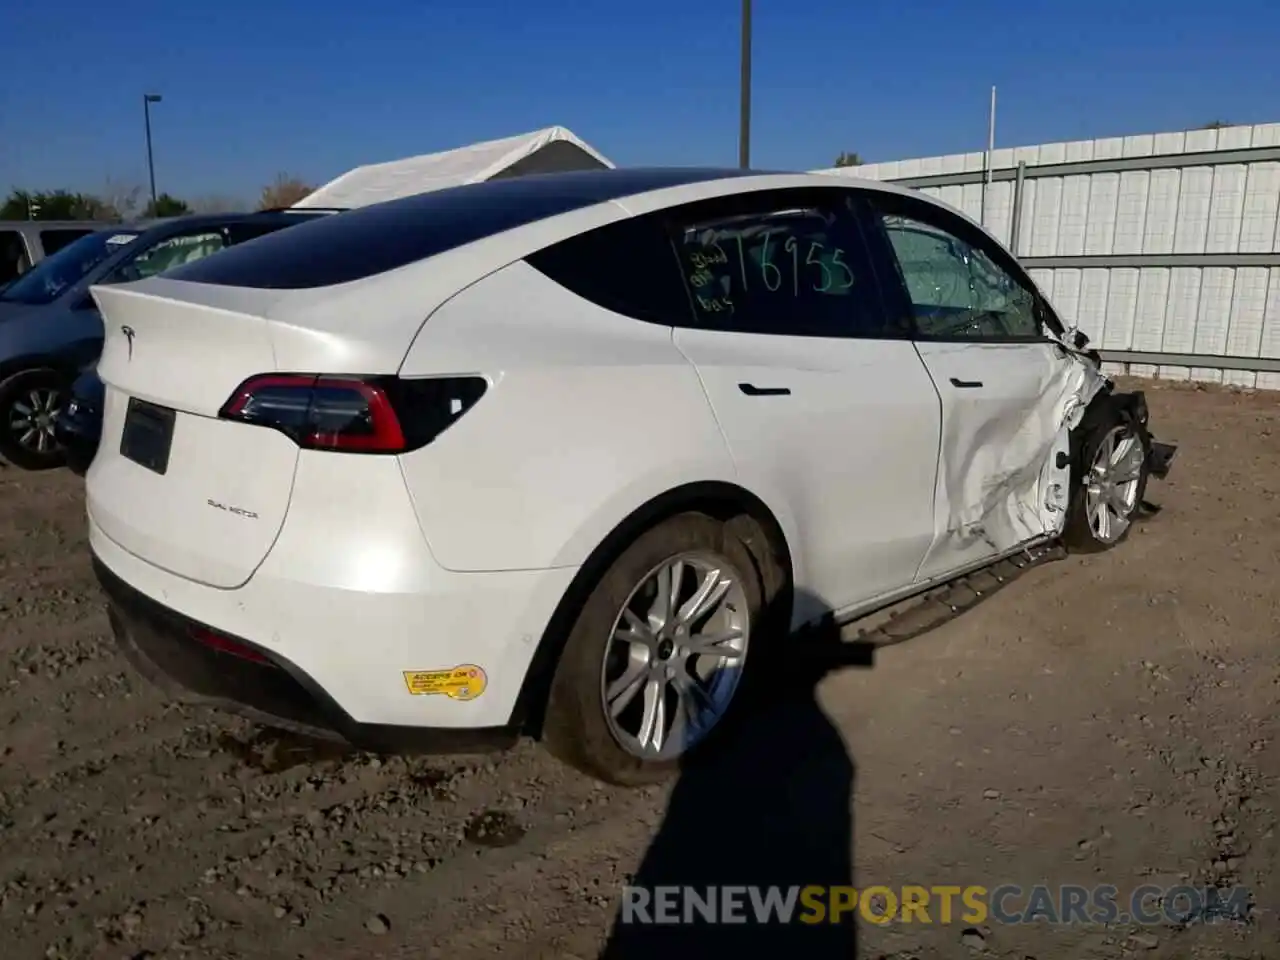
(50, 329)
(24, 243)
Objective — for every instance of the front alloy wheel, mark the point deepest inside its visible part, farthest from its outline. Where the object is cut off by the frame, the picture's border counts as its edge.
(1112, 484)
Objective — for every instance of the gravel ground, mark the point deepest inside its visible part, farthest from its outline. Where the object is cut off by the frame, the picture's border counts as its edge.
(1104, 719)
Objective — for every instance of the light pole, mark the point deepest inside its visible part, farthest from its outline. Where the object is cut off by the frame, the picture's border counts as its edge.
(744, 106)
(147, 100)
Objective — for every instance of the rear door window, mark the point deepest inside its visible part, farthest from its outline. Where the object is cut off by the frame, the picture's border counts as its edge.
(786, 263)
(14, 260)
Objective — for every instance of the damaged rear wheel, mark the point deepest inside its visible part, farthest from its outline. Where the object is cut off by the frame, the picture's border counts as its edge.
(1109, 479)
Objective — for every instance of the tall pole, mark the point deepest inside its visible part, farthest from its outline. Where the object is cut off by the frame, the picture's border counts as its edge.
(147, 100)
(744, 107)
(986, 160)
(1015, 225)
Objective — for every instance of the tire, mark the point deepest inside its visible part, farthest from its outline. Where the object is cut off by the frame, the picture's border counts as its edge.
(1102, 425)
(578, 729)
(26, 443)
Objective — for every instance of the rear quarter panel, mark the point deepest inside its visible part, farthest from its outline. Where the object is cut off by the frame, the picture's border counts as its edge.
(589, 415)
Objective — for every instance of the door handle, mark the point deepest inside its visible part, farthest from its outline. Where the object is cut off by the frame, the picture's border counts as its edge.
(965, 384)
(751, 390)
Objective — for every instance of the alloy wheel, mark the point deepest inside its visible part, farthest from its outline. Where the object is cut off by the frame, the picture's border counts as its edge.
(1111, 487)
(675, 656)
(32, 417)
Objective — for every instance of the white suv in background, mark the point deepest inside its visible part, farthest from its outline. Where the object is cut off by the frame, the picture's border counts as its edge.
(572, 453)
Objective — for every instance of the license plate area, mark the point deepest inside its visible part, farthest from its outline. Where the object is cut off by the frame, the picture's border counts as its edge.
(147, 435)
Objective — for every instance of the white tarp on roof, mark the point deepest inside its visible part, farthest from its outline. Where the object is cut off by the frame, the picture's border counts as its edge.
(557, 147)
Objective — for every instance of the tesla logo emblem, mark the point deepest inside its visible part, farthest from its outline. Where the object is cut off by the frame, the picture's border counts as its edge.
(128, 335)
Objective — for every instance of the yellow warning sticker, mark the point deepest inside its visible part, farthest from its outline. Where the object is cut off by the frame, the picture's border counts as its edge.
(465, 682)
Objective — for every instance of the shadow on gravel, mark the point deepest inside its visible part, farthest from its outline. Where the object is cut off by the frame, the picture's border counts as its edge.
(273, 751)
(772, 810)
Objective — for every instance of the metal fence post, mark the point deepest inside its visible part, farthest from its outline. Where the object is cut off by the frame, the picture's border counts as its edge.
(1015, 227)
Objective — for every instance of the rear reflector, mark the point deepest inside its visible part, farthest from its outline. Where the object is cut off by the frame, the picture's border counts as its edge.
(354, 414)
(224, 644)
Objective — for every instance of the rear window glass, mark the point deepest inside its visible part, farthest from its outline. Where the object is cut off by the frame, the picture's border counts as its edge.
(55, 240)
(628, 267)
(371, 240)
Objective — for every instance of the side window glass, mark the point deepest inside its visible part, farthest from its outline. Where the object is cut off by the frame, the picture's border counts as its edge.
(55, 240)
(170, 253)
(788, 270)
(627, 267)
(13, 256)
(956, 290)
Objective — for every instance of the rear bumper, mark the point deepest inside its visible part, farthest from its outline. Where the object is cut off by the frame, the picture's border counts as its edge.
(349, 659)
(245, 678)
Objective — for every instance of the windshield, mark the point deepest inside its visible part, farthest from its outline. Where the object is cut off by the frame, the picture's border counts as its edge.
(54, 275)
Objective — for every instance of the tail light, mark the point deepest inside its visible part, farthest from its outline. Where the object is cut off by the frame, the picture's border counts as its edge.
(354, 414)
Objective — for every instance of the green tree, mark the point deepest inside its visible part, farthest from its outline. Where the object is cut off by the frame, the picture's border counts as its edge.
(166, 205)
(17, 206)
(93, 207)
(55, 205)
(58, 205)
(848, 160)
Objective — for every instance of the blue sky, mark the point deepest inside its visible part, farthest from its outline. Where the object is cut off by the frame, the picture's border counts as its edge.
(254, 89)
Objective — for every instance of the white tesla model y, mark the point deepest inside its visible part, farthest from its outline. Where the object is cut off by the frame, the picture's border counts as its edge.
(568, 454)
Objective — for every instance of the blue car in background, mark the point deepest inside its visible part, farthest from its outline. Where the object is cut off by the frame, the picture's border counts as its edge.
(51, 333)
(79, 426)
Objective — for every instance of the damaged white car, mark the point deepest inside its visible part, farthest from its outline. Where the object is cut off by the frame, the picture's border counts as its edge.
(568, 454)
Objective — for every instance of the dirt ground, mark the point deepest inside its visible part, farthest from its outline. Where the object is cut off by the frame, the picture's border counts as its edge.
(1104, 719)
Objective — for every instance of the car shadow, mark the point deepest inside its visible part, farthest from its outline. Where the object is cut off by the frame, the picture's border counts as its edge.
(771, 809)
